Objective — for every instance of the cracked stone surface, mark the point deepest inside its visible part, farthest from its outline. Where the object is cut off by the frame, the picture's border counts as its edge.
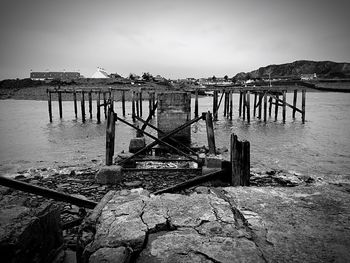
(233, 224)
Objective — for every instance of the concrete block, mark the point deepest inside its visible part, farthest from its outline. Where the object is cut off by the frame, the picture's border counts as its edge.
(213, 161)
(137, 144)
(109, 175)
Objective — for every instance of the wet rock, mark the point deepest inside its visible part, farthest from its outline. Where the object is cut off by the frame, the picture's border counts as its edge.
(133, 184)
(109, 174)
(111, 255)
(27, 233)
(137, 144)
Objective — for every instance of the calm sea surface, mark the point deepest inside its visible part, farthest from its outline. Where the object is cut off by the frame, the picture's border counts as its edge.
(319, 147)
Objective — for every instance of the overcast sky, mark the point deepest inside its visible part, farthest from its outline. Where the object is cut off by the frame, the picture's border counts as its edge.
(175, 38)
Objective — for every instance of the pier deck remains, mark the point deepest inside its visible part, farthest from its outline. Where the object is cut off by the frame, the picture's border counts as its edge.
(259, 102)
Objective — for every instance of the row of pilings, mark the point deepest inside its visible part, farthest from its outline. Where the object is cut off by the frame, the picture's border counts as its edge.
(266, 101)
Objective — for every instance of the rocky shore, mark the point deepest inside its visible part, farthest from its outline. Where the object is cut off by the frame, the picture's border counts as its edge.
(266, 184)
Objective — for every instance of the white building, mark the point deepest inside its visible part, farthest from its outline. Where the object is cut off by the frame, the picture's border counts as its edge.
(100, 74)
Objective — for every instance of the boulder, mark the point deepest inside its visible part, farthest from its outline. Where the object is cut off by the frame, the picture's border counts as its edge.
(109, 174)
(137, 144)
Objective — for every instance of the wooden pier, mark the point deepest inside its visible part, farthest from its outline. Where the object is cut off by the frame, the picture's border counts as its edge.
(253, 102)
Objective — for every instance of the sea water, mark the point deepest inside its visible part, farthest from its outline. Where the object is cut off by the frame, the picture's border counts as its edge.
(320, 146)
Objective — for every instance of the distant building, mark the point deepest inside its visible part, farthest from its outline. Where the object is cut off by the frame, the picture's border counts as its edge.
(54, 75)
(100, 74)
(308, 76)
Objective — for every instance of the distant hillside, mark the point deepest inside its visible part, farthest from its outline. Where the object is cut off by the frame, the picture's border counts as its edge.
(323, 69)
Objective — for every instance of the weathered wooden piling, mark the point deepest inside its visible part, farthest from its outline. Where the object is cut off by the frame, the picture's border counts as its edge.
(276, 107)
(284, 106)
(265, 106)
(231, 104)
(140, 97)
(98, 109)
(244, 103)
(75, 104)
(254, 109)
(303, 98)
(153, 102)
(110, 137)
(270, 106)
(90, 103)
(123, 102)
(82, 106)
(105, 104)
(295, 96)
(133, 106)
(215, 105)
(60, 104)
(49, 104)
(260, 105)
(248, 106)
(210, 133)
(225, 103)
(137, 104)
(240, 104)
(196, 103)
(240, 161)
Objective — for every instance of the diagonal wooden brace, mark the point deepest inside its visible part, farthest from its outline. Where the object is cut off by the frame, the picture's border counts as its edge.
(170, 139)
(157, 141)
(152, 144)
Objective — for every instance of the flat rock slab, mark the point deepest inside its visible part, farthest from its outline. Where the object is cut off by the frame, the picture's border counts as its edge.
(233, 224)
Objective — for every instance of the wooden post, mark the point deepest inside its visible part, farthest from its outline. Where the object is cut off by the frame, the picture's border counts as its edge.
(294, 102)
(240, 104)
(254, 110)
(265, 106)
(105, 104)
(240, 161)
(90, 104)
(215, 105)
(260, 105)
(111, 99)
(270, 106)
(153, 103)
(82, 106)
(231, 104)
(225, 103)
(75, 104)
(248, 106)
(196, 104)
(210, 133)
(140, 103)
(60, 103)
(49, 104)
(99, 107)
(110, 137)
(149, 102)
(284, 107)
(123, 102)
(276, 107)
(303, 97)
(244, 103)
(137, 105)
(133, 106)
